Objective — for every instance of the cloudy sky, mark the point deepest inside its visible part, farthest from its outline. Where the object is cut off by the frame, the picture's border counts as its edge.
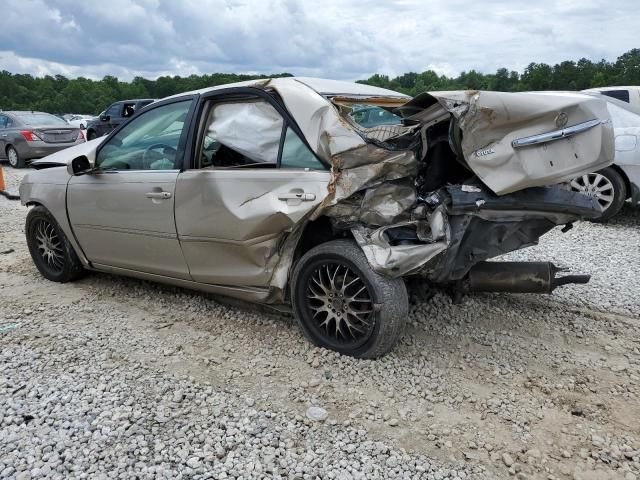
(328, 38)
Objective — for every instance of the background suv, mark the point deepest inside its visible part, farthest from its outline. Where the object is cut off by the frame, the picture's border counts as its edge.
(113, 116)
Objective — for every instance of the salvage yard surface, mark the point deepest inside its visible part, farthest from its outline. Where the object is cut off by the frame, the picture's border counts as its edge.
(125, 378)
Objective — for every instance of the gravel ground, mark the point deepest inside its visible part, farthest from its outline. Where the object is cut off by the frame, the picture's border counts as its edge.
(112, 377)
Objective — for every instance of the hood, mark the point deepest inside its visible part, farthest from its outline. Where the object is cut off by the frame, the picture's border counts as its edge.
(63, 157)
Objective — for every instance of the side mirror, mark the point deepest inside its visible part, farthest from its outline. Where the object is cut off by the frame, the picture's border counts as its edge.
(79, 166)
(105, 118)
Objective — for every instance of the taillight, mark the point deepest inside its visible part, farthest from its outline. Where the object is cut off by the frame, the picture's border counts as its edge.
(29, 136)
(80, 136)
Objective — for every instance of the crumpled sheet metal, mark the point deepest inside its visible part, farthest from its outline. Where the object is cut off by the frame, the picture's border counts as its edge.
(327, 133)
(398, 260)
(366, 167)
(490, 121)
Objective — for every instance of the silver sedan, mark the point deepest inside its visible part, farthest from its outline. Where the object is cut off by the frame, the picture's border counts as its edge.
(28, 135)
(282, 191)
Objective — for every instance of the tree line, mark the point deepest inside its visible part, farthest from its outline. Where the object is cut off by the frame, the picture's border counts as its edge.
(58, 94)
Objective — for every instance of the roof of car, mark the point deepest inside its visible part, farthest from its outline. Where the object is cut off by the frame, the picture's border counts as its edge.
(608, 89)
(322, 86)
(17, 112)
(137, 100)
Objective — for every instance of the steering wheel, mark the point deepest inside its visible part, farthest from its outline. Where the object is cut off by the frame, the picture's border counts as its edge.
(166, 150)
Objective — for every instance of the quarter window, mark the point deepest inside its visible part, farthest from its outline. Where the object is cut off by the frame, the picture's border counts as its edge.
(619, 94)
(151, 141)
(295, 154)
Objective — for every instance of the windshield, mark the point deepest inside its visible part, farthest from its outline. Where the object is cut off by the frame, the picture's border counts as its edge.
(40, 119)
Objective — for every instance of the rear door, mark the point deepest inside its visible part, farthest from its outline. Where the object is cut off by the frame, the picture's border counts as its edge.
(123, 215)
(253, 180)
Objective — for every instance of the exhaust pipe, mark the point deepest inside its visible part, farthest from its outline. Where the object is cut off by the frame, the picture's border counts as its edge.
(517, 277)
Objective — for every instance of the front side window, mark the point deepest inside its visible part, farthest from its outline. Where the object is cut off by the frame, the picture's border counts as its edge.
(114, 110)
(148, 142)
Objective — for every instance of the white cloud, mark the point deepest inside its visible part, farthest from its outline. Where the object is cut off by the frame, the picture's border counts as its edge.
(307, 37)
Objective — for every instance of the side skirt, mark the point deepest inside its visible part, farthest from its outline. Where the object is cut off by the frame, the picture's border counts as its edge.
(249, 294)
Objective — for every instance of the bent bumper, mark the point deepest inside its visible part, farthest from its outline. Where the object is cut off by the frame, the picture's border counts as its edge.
(471, 225)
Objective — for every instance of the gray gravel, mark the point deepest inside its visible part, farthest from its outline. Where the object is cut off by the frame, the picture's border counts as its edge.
(112, 377)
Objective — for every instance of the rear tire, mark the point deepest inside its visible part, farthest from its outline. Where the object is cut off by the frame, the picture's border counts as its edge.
(607, 186)
(50, 250)
(342, 304)
(14, 157)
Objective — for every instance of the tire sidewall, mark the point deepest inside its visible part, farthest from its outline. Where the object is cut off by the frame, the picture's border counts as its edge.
(619, 194)
(302, 312)
(18, 161)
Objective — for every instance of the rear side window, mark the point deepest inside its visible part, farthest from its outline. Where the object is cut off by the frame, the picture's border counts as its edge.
(4, 120)
(618, 94)
(240, 134)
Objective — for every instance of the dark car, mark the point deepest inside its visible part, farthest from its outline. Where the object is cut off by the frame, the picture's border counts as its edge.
(112, 117)
(28, 135)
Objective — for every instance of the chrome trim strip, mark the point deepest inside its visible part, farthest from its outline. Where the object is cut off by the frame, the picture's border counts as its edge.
(556, 134)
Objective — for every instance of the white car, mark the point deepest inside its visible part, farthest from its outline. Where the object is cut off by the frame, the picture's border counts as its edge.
(80, 121)
(613, 185)
(630, 95)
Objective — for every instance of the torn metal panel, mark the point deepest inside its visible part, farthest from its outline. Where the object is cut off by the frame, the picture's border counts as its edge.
(491, 121)
(365, 167)
(399, 260)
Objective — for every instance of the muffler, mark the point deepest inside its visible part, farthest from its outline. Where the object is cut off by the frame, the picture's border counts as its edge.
(517, 277)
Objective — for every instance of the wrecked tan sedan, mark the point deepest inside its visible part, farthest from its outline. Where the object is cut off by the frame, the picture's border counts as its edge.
(323, 195)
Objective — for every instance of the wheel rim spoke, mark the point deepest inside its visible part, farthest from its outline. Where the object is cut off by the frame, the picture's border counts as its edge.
(339, 303)
(49, 246)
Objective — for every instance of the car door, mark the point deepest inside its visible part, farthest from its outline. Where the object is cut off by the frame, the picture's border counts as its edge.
(254, 179)
(122, 215)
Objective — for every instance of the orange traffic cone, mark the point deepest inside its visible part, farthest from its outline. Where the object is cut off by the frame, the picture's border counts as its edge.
(2, 192)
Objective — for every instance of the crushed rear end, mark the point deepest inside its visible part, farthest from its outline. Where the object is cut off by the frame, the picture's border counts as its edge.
(464, 177)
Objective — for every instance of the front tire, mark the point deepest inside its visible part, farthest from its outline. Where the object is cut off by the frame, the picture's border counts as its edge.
(50, 250)
(15, 160)
(607, 186)
(342, 304)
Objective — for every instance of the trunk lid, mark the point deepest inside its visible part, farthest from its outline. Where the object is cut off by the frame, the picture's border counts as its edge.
(57, 135)
(513, 141)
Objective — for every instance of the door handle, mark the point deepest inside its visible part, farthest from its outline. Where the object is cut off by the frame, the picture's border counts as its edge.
(161, 195)
(305, 197)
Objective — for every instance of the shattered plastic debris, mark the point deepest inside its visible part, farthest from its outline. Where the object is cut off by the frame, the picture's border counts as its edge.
(471, 189)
